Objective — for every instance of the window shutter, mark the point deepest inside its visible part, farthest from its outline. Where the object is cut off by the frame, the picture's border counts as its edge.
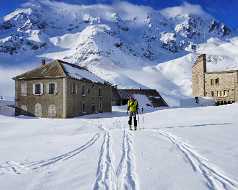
(41, 88)
(33, 89)
(48, 88)
(56, 88)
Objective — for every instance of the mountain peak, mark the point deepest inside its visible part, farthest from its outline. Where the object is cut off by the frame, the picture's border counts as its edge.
(172, 30)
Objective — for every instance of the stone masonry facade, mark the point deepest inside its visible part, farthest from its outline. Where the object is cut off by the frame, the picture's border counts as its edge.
(48, 92)
(222, 86)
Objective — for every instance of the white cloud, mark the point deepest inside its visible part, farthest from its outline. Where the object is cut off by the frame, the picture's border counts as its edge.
(129, 11)
(185, 8)
(7, 84)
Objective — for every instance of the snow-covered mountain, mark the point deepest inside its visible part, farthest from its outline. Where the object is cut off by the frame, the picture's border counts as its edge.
(136, 30)
(126, 44)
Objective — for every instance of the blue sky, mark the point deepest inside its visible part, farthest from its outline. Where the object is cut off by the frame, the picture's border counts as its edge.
(224, 10)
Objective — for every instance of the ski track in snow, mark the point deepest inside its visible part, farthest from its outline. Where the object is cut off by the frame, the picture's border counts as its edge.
(20, 168)
(126, 171)
(124, 178)
(215, 178)
(105, 171)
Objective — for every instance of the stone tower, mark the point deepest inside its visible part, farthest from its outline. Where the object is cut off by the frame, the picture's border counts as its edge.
(198, 76)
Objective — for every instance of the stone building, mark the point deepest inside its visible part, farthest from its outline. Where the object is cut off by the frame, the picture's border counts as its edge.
(61, 90)
(222, 86)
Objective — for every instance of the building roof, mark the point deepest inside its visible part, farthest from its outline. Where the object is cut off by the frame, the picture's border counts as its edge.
(60, 69)
(51, 70)
(153, 95)
(125, 93)
(80, 73)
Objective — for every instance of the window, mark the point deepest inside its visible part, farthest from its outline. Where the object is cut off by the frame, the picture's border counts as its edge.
(38, 89)
(73, 88)
(212, 93)
(52, 110)
(217, 81)
(52, 88)
(38, 110)
(225, 93)
(212, 82)
(83, 90)
(88, 91)
(24, 89)
(99, 92)
(83, 108)
(217, 93)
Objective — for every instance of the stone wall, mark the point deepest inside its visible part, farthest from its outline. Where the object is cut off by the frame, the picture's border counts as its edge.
(222, 86)
(68, 102)
(198, 78)
(90, 98)
(225, 90)
(236, 87)
(45, 100)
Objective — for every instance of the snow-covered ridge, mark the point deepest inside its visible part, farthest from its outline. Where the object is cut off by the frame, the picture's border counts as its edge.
(17, 12)
(125, 44)
(51, 18)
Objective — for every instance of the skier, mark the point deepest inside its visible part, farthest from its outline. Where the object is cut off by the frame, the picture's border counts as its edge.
(132, 107)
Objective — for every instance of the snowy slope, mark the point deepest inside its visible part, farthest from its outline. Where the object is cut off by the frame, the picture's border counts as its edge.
(169, 151)
(7, 106)
(128, 45)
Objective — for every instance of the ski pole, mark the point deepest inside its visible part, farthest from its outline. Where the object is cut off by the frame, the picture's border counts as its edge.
(143, 122)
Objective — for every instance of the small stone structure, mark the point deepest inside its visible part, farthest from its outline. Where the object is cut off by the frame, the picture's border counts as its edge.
(222, 86)
(121, 96)
(61, 90)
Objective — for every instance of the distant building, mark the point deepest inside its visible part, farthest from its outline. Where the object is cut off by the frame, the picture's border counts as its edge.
(222, 86)
(121, 96)
(61, 90)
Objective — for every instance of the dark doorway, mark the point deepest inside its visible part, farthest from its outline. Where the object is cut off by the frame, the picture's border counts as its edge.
(93, 108)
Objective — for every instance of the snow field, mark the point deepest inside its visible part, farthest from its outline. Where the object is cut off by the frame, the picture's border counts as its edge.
(169, 151)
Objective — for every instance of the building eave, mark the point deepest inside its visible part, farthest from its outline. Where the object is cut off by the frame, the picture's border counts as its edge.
(34, 78)
(220, 72)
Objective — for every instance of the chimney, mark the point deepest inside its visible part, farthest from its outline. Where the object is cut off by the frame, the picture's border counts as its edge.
(43, 62)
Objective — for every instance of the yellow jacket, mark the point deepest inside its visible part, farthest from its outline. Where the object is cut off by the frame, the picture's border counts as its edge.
(132, 106)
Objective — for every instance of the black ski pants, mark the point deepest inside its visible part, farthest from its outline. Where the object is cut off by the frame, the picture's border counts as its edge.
(132, 114)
